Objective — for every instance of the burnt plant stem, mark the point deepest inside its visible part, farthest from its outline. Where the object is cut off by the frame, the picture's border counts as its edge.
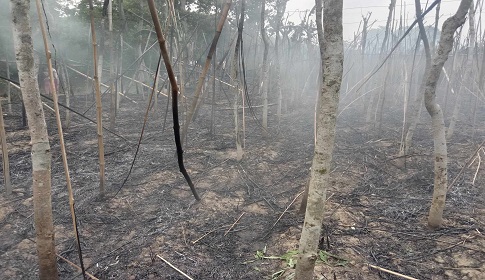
(173, 83)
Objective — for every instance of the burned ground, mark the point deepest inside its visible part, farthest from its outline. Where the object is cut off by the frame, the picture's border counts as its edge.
(376, 209)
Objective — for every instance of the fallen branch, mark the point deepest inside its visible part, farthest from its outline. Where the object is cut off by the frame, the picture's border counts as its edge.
(202, 237)
(176, 269)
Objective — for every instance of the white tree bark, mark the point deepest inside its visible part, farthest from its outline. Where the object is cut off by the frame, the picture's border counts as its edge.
(41, 156)
(435, 218)
(331, 52)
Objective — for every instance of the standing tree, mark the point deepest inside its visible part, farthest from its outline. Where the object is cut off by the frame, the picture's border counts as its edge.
(435, 218)
(6, 164)
(236, 81)
(331, 57)
(263, 86)
(280, 10)
(41, 156)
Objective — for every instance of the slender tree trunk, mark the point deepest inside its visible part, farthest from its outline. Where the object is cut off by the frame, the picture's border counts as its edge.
(435, 218)
(9, 97)
(120, 75)
(112, 76)
(375, 99)
(6, 164)
(41, 156)
(417, 108)
(435, 31)
(280, 10)
(236, 83)
(263, 86)
(468, 80)
(331, 52)
(481, 85)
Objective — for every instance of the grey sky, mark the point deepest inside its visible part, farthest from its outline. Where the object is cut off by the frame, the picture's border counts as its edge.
(354, 9)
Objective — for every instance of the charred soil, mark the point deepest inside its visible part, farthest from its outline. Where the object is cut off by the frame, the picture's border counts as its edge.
(247, 224)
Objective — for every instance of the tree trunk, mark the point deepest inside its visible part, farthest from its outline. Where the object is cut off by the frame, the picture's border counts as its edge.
(9, 97)
(481, 84)
(41, 156)
(236, 83)
(331, 52)
(435, 218)
(6, 164)
(112, 76)
(418, 103)
(468, 72)
(374, 99)
(263, 86)
(280, 10)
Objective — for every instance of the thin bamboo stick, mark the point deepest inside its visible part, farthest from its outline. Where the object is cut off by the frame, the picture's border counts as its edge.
(176, 269)
(99, 116)
(392, 272)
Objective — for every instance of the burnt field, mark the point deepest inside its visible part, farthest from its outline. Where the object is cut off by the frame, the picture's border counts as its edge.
(247, 224)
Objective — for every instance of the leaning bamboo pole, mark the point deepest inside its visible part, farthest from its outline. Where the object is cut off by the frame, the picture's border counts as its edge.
(201, 81)
(99, 108)
(61, 135)
(106, 86)
(173, 83)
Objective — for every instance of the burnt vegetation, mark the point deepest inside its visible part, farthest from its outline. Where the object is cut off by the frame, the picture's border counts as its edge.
(250, 174)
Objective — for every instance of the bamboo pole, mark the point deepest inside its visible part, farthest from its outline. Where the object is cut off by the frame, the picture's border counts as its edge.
(201, 81)
(61, 135)
(67, 91)
(173, 83)
(98, 105)
(6, 164)
(105, 85)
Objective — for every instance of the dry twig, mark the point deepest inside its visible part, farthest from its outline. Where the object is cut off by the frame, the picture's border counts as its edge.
(76, 266)
(200, 238)
(176, 269)
(466, 164)
(289, 205)
(392, 272)
(229, 229)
